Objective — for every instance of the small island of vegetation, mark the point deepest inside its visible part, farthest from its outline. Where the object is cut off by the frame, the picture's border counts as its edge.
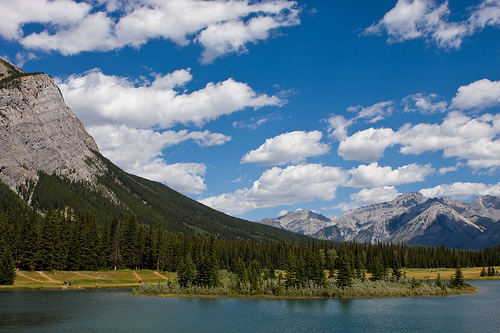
(302, 284)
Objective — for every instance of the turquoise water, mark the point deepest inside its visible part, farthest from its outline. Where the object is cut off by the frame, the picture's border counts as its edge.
(120, 311)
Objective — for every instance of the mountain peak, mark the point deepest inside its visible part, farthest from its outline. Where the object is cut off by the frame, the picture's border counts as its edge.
(410, 198)
(8, 69)
(39, 132)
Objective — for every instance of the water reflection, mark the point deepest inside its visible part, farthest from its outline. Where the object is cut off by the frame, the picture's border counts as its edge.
(28, 319)
(119, 310)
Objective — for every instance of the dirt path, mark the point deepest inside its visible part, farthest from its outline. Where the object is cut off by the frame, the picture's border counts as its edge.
(166, 278)
(30, 278)
(48, 277)
(87, 276)
(137, 276)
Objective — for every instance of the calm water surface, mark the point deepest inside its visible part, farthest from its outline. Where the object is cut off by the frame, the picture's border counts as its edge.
(120, 311)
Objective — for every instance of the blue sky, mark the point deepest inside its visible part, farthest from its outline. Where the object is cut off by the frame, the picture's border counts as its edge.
(257, 108)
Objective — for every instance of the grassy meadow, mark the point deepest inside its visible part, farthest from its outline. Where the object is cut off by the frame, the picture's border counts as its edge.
(472, 273)
(86, 279)
(131, 278)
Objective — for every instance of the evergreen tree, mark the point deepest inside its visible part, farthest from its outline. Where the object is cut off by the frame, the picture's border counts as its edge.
(291, 270)
(115, 235)
(378, 270)
(5, 234)
(483, 272)
(49, 240)
(438, 282)
(458, 280)
(344, 273)
(207, 269)
(150, 248)
(104, 247)
(7, 267)
(319, 270)
(331, 259)
(204, 272)
(30, 255)
(129, 243)
(241, 272)
(186, 273)
(396, 269)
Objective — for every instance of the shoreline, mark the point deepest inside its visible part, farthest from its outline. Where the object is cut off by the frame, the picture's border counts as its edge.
(129, 279)
(465, 291)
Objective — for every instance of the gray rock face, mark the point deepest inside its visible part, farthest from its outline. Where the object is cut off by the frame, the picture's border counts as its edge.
(410, 218)
(487, 206)
(39, 132)
(304, 222)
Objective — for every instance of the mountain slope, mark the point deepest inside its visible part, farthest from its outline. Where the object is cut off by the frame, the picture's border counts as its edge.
(38, 132)
(51, 161)
(304, 222)
(410, 218)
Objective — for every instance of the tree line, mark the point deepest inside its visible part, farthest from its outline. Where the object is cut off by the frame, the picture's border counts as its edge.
(60, 240)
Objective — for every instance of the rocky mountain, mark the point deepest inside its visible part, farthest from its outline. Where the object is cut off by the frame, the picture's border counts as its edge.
(304, 222)
(49, 160)
(38, 132)
(410, 218)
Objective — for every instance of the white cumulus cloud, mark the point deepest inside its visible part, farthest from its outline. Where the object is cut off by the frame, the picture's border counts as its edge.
(373, 113)
(462, 190)
(479, 94)
(411, 19)
(139, 151)
(71, 27)
(337, 127)
(476, 140)
(367, 145)
(277, 186)
(424, 104)
(15, 14)
(100, 99)
(373, 175)
(292, 147)
(370, 196)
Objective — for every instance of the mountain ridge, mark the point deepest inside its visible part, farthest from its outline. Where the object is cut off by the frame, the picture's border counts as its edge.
(410, 218)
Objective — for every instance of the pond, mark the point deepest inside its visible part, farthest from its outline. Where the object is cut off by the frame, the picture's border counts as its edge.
(120, 311)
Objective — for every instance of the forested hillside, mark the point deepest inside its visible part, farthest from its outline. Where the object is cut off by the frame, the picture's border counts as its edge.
(62, 241)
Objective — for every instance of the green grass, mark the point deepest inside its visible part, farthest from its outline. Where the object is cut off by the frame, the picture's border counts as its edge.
(470, 273)
(130, 278)
(86, 279)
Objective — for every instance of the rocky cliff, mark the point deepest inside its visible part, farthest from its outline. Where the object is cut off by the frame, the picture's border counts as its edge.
(38, 132)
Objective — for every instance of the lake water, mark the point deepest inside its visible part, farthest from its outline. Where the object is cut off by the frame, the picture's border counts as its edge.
(120, 311)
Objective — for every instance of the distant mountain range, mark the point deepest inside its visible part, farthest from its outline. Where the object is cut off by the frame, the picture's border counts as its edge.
(49, 160)
(410, 218)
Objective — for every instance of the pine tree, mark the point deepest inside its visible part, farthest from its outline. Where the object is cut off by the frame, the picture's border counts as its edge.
(344, 274)
(331, 259)
(115, 235)
(396, 269)
(129, 242)
(378, 270)
(319, 270)
(291, 270)
(7, 267)
(186, 273)
(438, 282)
(31, 243)
(49, 240)
(458, 280)
(483, 272)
